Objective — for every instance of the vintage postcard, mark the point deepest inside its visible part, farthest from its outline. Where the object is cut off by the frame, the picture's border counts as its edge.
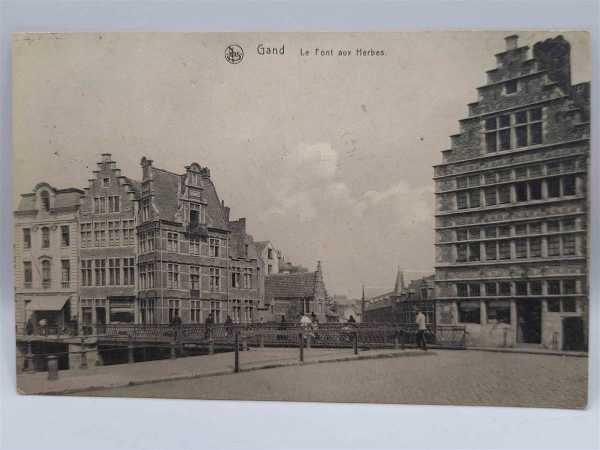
(394, 217)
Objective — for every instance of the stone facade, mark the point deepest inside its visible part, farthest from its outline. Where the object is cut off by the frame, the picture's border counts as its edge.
(107, 222)
(46, 245)
(511, 206)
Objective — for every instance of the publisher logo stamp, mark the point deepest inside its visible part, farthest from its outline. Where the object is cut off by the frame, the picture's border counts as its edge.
(234, 54)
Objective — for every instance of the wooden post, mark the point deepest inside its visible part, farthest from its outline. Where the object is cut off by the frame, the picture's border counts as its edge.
(355, 343)
(130, 355)
(83, 362)
(237, 351)
(52, 367)
(301, 336)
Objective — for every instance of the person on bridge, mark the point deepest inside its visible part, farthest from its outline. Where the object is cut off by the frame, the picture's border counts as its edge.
(421, 329)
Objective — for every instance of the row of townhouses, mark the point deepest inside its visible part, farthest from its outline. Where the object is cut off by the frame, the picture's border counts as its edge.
(127, 251)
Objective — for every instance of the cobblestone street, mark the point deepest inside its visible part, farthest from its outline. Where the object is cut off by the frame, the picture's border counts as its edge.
(442, 377)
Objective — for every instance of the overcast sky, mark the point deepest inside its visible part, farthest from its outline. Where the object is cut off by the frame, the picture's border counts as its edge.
(329, 157)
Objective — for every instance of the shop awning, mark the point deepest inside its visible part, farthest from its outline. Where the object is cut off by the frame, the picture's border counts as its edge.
(48, 303)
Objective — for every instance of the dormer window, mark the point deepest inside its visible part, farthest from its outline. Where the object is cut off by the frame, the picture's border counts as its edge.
(197, 214)
(194, 179)
(45, 197)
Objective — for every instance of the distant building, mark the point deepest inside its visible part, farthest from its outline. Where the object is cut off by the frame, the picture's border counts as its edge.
(512, 206)
(269, 256)
(292, 294)
(107, 222)
(46, 258)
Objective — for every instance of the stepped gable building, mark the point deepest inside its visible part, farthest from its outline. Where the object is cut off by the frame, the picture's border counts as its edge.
(292, 294)
(183, 236)
(511, 205)
(107, 244)
(46, 258)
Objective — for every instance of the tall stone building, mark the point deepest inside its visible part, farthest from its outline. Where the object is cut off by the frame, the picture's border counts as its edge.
(46, 258)
(108, 247)
(192, 260)
(511, 205)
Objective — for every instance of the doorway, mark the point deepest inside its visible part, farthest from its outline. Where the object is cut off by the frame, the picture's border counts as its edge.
(529, 313)
(573, 337)
(100, 319)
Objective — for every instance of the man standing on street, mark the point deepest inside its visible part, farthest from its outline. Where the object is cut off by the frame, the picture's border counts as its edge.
(421, 328)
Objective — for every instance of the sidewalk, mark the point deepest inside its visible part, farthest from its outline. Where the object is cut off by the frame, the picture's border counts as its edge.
(73, 381)
(533, 350)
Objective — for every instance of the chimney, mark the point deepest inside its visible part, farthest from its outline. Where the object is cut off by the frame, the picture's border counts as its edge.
(512, 42)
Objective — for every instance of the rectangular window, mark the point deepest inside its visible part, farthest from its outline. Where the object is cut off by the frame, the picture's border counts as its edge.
(173, 276)
(535, 228)
(100, 272)
(553, 226)
(215, 279)
(490, 232)
(504, 231)
(491, 142)
(568, 224)
(146, 214)
(469, 312)
(474, 180)
(521, 248)
(510, 87)
(474, 252)
(490, 197)
(214, 247)
(569, 287)
(461, 235)
(248, 278)
(504, 194)
(65, 270)
(461, 200)
(173, 242)
(461, 252)
(114, 271)
(474, 198)
(521, 192)
(490, 251)
(86, 234)
(236, 277)
(195, 278)
(554, 287)
(535, 247)
(521, 135)
(553, 305)
(86, 272)
(474, 290)
(568, 305)
(569, 244)
(505, 175)
(26, 238)
(553, 187)
(129, 272)
(535, 190)
(521, 230)
(196, 311)
(490, 124)
(553, 245)
(504, 249)
(504, 288)
(114, 203)
(569, 185)
(100, 234)
(474, 233)
(215, 310)
(535, 133)
(520, 172)
(461, 182)
(491, 289)
(173, 310)
(535, 171)
(461, 290)
(504, 137)
(521, 288)
(105, 182)
(535, 287)
(195, 247)
(521, 117)
(490, 178)
(498, 311)
(45, 237)
(114, 233)
(27, 274)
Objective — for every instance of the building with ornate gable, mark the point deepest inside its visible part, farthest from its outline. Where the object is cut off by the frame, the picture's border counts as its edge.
(512, 206)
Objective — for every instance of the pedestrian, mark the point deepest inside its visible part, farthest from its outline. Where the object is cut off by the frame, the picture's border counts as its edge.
(228, 325)
(421, 329)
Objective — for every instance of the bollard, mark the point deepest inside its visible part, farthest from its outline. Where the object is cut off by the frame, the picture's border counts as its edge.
(28, 365)
(83, 361)
(211, 346)
(261, 341)
(301, 336)
(130, 355)
(237, 352)
(396, 342)
(355, 343)
(52, 367)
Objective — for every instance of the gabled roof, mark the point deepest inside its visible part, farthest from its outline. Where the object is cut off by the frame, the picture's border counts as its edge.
(291, 285)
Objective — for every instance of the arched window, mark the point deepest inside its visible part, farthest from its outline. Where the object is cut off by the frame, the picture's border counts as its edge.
(45, 196)
(46, 273)
(45, 237)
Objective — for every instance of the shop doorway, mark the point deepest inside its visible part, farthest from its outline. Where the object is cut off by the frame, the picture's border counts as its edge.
(529, 314)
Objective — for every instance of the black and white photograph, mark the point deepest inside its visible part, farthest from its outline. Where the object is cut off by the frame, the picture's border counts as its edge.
(341, 217)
